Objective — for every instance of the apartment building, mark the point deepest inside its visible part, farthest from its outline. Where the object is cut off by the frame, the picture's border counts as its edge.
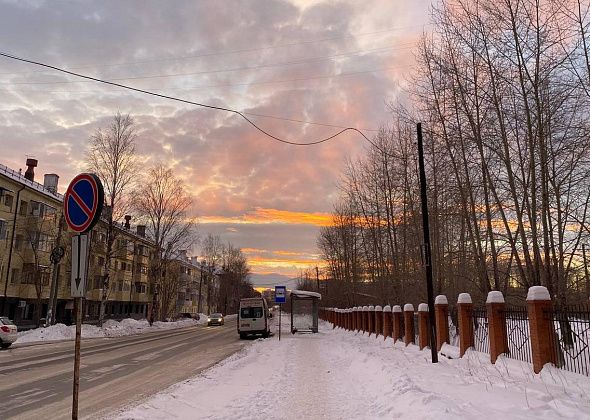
(31, 225)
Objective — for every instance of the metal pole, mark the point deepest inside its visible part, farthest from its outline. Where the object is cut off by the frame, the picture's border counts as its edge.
(200, 288)
(427, 251)
(76, 388)
(586, 276)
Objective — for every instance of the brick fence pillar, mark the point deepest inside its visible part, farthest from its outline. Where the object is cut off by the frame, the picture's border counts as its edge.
(378, 320)
(464, 314)
(386, 321)
(423, 330)
(541, 327)
(371, 319)
(409, 323)
(496, 324)
(353, 319)
(365, 319)
(396, 327)
(441, 315)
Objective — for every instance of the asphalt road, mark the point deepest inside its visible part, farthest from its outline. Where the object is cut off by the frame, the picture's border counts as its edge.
(36, 381)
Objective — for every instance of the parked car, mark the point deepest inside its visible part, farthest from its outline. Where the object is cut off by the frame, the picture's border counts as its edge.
(215, 319)
(8, 332)
(253, 318)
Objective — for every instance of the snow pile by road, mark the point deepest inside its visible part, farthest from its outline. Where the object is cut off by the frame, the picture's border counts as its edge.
(342, 375)
(110, 328)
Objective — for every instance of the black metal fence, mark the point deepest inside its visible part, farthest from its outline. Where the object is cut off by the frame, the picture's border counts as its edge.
(481, 333)
(571, 339)
(518, 334)
(453, 326)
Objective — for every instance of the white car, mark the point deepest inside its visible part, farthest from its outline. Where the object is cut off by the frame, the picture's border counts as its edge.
(7, 332)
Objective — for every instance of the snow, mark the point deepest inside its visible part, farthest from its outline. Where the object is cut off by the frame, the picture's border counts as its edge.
(396, 308)
(306, 293)
(538, 293)
(441, 300)
(337, 374)
(110, 328)
(464, 298)
(387, 308)
(495, 296)
(408, 307)
(423, 307)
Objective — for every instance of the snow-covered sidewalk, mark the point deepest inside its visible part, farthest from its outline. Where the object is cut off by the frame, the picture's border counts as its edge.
(110, 328)
(342, 375)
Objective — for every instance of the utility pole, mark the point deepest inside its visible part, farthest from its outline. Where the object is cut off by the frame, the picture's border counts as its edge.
(586, 276)
(317, 277)
(427, 251)
(56, 255)
(200, 286)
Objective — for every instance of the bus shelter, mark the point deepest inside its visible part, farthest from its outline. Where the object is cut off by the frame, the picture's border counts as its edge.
(304, 311)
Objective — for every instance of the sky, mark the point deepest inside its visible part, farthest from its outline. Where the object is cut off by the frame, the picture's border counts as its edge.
(299, 69)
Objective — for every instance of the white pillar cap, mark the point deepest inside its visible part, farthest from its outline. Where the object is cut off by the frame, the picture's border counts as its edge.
(495, 296)
(378, 308)
(538, 293)
(387, 308)
(396, 308)
(464, 298)
(441, 300)
(423, 307)
(408, 307)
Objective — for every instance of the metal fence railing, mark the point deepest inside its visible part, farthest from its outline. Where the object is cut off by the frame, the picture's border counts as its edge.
(518, 336)
(453, 326)
(571, 338)
(481, 334)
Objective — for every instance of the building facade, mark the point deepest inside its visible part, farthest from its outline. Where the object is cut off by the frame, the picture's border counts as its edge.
(32, 225)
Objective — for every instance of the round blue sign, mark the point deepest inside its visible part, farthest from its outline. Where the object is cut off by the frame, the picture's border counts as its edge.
(83, 202)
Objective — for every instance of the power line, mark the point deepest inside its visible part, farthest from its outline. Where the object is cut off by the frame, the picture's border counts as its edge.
(218, 53)
(262, 82)
(318, 59)
(219, 108)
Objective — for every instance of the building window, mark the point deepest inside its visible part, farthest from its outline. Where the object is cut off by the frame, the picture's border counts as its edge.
(18, 243)
(3, 230)
(8, 199)
(23, 208)
(14, 275)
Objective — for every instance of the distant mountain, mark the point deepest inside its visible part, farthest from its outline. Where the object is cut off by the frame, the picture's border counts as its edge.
(273, 279)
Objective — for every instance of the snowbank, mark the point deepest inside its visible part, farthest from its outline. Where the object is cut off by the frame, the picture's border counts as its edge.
(110, 328)
(337, 374)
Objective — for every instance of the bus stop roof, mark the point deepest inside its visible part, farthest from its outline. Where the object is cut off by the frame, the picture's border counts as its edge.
(304, 294)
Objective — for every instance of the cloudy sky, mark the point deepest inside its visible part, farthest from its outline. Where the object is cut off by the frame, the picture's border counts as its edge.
(325, 64)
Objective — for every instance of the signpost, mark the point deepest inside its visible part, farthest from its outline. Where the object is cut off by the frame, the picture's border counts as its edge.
(280, 298)
(83, 203)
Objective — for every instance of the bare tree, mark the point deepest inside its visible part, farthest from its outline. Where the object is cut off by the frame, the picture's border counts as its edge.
(163, 203)
(111, 155)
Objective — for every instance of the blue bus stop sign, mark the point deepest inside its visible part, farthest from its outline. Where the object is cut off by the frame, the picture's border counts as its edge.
(83, 202)
(280, 294)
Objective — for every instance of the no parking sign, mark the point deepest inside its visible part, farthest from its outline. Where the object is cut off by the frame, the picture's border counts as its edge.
(83, 203)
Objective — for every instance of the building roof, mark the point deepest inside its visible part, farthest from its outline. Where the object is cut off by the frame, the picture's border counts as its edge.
(20, 178)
